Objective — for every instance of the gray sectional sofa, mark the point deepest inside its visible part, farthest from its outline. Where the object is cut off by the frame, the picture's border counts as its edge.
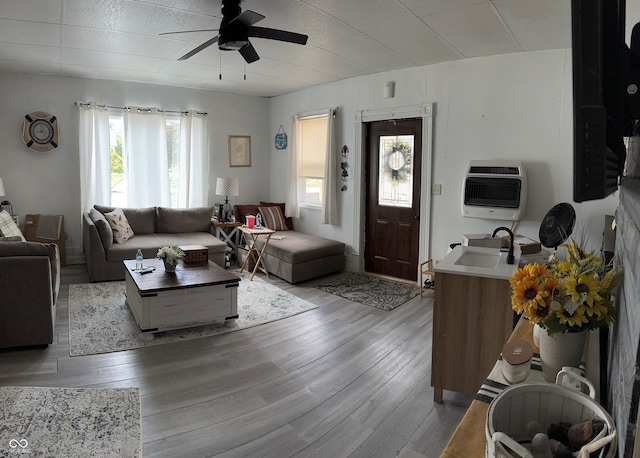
(153, 228)
(295, 256)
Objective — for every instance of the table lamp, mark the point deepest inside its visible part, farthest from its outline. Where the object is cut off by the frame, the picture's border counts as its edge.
(226, 187)
(5, 205)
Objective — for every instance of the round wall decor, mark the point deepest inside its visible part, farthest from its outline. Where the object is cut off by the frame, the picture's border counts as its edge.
(40, 131)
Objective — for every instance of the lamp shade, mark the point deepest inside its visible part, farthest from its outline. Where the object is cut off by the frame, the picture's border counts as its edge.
(1, 188)
(227, 186)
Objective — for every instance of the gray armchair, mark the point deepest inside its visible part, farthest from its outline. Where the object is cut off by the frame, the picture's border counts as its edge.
(29, 285)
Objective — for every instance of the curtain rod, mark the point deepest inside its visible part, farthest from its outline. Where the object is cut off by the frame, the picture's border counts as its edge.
(148, 110)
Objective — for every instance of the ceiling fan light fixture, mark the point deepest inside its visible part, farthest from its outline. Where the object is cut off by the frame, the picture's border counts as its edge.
(232, 39)
(232, 45)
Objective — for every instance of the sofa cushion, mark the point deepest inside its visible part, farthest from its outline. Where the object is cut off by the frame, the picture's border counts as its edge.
(8, 227)
(181, 220)
(119, 225)
(288, 220)
(150, 243)
(36, 249)
(273, 218)
(103, 227)
(141, 220)
(13, 238)
(296, 247)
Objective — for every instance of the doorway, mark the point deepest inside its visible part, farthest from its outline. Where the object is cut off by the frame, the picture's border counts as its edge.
(393, 167)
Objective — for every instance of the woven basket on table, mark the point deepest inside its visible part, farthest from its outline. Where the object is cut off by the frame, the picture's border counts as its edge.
(511, 411)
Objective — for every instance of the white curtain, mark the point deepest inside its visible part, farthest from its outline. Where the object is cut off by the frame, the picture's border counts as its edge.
(329, 209)
(95, 165)
(292, 207)
(193, 185)
(145, 151)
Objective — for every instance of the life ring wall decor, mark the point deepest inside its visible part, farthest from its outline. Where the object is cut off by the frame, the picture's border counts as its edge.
(40, 131)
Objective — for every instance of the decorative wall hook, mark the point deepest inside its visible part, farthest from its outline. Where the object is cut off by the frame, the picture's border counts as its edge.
(343, 166)
(281, 138)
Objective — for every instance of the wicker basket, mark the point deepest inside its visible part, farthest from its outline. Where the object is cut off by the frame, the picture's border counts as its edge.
(545, 403)
(195, 254)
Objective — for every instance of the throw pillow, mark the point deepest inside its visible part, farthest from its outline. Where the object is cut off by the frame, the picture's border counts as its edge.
(103, 227)
(288, 220)
(119, 225)
(8, 227)
(273, 218)
(241, 212)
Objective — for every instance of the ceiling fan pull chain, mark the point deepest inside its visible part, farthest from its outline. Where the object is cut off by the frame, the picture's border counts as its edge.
(220, 56)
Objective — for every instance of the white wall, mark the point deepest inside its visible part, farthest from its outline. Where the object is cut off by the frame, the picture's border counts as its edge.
(49, 183)
(511, 106)
(515, 106)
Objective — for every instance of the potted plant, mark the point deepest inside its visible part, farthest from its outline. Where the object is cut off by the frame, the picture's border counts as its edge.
(170, 255)
(565, 297)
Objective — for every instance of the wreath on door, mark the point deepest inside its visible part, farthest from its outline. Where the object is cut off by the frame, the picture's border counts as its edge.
(397, 162)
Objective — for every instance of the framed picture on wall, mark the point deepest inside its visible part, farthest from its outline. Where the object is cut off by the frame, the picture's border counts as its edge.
(239, 151)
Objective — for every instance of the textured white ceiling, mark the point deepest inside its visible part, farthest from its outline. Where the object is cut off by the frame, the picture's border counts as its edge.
(119, 39)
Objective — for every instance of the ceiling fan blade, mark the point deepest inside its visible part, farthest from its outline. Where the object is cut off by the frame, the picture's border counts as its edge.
(204, 45)
(249, 53)
(275, 34)
(247, 18)
(189, 31)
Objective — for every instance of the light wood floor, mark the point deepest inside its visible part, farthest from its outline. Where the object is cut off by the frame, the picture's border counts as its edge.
(342, 380)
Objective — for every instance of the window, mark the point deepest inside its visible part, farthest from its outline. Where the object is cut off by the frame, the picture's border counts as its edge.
(118, 158)
(116, 153)
(142, 157)
(312, 138)
(395, 184)
(173, 155)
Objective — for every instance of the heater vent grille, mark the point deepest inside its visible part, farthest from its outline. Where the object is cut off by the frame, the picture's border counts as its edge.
(494, 190)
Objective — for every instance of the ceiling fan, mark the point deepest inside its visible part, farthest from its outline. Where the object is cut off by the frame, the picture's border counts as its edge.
(236, 28)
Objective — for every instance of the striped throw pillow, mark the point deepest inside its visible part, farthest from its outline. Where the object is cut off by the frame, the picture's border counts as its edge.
(8, 227)
(273, 218)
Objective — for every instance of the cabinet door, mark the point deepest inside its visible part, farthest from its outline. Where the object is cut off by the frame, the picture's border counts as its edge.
(472, 320)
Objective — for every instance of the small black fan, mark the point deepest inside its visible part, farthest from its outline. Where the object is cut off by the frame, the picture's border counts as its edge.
(557, 225)
(235, 29)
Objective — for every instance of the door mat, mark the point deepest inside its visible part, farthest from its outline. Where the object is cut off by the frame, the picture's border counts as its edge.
(368, 290)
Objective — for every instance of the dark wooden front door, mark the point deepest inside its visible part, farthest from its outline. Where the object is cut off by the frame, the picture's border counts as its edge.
(392, 226)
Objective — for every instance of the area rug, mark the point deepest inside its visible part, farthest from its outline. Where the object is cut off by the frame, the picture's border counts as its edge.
(100, 321)
(96, 422)
(368, 290)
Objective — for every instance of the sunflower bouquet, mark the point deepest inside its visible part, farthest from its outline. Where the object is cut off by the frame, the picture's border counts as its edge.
(566, 295)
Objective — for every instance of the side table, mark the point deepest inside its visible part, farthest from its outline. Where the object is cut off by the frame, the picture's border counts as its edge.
(228, 232)
(251, 237)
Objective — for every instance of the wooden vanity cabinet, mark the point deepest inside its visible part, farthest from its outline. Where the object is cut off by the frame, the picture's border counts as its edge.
(472, 320)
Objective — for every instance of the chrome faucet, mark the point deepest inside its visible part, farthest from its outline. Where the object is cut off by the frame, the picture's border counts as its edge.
(510, 257)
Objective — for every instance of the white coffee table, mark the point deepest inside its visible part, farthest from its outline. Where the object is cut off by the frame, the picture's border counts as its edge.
(192, 296)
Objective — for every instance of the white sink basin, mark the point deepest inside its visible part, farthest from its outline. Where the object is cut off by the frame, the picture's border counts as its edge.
(478, 262)
(485, 260)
